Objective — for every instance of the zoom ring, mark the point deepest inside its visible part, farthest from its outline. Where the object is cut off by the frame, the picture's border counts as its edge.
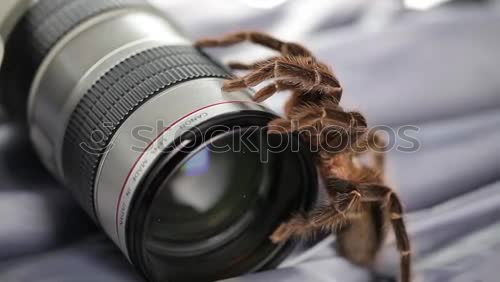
(116, 95)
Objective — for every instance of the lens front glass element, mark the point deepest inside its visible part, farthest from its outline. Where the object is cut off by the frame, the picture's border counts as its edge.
(208, 193)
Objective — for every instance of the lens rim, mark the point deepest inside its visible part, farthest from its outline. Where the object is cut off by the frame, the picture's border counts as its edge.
(176, 154)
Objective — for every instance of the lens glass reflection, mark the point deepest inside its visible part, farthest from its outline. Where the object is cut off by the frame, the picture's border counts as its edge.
(209, 192)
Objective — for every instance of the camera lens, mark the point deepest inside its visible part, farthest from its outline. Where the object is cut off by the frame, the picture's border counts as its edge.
(125, 112)
(211, 205)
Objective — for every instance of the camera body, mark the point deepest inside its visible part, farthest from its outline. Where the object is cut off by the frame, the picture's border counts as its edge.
(128, 115)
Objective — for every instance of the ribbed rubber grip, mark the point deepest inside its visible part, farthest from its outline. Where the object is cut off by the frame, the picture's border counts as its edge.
(49, 20)
(116, 95)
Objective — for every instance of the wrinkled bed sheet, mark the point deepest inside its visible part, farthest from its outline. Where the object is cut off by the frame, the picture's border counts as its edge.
(437, 70)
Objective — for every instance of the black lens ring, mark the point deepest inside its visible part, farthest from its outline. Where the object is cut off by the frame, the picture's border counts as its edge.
(142, 201)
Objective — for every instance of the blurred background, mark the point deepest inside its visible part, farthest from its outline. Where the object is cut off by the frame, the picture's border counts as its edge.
(431, 64)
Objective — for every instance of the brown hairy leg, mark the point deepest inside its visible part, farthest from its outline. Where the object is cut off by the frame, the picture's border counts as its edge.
(260, 38)
(385, 196)
(329, 217)
(253, 66)
(298, 98)
(292, 70)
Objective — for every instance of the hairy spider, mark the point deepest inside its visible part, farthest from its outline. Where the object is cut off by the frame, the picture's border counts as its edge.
(359, 204)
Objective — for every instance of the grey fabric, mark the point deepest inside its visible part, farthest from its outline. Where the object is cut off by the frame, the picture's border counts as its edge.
(93, 259)
(436, 70)
(36, 213)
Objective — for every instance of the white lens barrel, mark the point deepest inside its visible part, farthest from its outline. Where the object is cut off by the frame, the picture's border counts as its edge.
(74, 65)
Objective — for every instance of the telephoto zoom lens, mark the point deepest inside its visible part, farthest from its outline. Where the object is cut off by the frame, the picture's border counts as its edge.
(126, 113)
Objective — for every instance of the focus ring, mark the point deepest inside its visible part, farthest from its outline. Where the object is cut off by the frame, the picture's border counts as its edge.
(116, 95)
(49, 20)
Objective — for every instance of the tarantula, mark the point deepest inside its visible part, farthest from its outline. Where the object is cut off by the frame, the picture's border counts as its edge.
(359, 204)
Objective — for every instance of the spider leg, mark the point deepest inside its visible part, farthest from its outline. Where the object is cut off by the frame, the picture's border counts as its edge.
(252, 79)
(285, 48)
(266, 92)
(267, 71)
(253, 66)
(296, 72)
(309, 78)
(385, 195)
(240, 66)
(269, 90)
(325, 217)
(301, 226)
(298, 226)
